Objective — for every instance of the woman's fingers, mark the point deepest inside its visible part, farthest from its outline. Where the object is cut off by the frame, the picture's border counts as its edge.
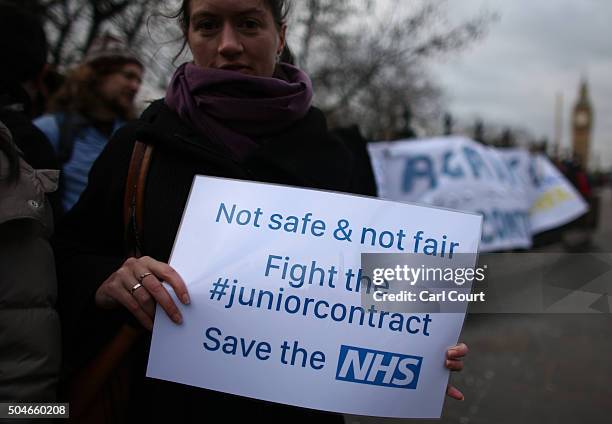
(141, 294)
(128, 301)
(453, 392)
(454, 357)
(144, 299)
(166, 273)
(122, 288)
(453, 365)
(150, 272)
(161, 296)
(456, 352)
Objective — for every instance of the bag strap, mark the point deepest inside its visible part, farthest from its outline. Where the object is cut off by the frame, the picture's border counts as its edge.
(133, 202)
(88, 384)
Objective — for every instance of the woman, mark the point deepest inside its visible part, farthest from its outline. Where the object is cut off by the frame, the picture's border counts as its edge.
(234, 112)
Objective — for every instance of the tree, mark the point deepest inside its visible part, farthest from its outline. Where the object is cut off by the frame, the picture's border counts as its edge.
(368, 62)
(367, 58)
(72, 26)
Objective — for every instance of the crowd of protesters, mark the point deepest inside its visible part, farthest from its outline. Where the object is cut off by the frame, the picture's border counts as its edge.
(238, 110)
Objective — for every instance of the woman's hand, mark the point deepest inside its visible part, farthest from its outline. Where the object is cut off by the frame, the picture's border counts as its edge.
(455, 363)
(137, 287)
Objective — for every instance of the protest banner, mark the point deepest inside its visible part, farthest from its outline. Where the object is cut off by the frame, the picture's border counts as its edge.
(518, 194)
(274, 278)
(459, 174)
(553, 199)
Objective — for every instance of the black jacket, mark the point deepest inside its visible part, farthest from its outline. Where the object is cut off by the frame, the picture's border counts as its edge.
(89, 244)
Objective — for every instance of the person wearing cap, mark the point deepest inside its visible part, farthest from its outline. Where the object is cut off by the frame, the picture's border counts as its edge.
(96, 99)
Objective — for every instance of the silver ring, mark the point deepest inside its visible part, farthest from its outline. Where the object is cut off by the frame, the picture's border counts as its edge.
(136, 287)
(143, 276)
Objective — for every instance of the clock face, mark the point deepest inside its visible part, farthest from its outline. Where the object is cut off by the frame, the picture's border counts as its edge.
(581, 119)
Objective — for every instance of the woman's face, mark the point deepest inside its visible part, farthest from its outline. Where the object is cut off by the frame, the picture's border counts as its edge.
(237, 35)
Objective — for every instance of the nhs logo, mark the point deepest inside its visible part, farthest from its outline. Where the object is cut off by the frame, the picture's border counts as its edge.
(367, 366)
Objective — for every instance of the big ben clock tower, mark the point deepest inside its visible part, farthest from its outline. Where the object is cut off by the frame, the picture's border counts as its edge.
(582, 123)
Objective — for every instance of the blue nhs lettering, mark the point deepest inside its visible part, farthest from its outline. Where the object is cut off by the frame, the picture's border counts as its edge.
(367, 366)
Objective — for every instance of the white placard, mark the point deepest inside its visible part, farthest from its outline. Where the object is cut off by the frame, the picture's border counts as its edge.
(305, 342)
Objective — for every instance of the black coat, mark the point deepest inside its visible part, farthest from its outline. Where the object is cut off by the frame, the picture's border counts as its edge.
(89, 244)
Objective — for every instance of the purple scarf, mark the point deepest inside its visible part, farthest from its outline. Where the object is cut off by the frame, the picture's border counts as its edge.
(236, 110)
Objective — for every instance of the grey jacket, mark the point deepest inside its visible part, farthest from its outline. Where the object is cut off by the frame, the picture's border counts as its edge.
(29, 324)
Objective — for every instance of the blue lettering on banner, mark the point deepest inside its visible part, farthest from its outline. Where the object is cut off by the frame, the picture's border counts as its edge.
(479, 167)
(421, 169)
(498, 225)
(375, 367)
(456, 172)
(418, 167)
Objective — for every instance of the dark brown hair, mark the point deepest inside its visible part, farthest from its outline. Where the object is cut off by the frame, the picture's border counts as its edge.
(279, 8)
(79, 93)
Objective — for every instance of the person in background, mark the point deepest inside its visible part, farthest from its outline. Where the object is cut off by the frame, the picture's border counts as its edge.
(96, 98)
(23, 92)
(30, 343)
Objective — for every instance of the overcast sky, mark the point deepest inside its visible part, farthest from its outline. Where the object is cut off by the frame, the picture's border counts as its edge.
(536, 49)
